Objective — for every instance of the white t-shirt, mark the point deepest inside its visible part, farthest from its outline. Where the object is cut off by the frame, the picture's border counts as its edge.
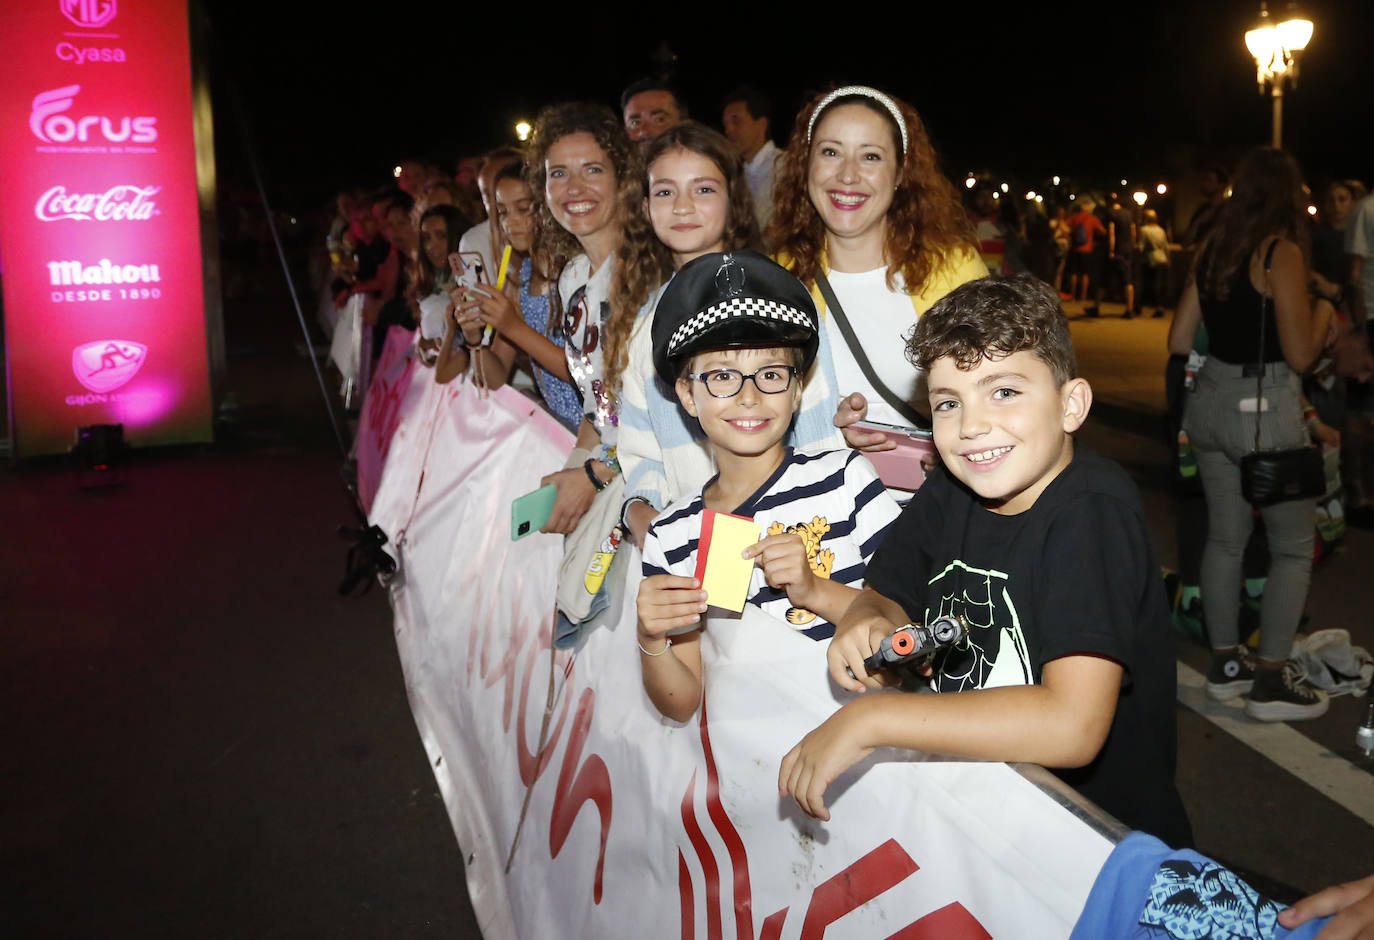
(586, 306)
(881, 319)
(758, 174)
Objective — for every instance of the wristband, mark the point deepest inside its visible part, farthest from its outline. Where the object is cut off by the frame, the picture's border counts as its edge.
(666, 643)
(625, 507)
(591, 475)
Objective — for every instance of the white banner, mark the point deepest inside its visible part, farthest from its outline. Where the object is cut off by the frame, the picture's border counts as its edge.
(637, 826)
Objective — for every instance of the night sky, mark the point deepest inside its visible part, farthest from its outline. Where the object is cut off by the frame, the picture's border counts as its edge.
(1095, 91)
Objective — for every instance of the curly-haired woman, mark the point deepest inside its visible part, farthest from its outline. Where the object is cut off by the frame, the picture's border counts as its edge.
(861, 205)
(591, 180)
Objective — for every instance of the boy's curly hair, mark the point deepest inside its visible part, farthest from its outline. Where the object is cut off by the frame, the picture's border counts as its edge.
(992, 318)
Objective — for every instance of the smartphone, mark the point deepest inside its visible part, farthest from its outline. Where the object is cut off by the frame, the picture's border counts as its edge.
(905, 467)
(530, 513)
(469, 270)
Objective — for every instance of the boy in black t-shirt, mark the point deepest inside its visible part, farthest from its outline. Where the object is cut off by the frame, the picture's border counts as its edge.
(1047, 555)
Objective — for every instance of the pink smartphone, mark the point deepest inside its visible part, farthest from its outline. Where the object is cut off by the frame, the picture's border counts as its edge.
(905, 467)
(468, 271)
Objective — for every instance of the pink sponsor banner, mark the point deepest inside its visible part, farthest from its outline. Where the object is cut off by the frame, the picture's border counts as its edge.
(393, 381)
(99, 224)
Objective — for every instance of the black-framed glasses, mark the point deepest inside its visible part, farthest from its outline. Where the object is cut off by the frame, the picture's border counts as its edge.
(726, 383)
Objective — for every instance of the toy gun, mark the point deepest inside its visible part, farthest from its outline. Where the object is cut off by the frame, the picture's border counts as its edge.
(914, 642)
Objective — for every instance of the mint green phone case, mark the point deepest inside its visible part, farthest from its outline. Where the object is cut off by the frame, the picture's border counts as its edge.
(530, 513)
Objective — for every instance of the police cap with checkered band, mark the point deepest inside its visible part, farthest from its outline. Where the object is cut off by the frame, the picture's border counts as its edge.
(731, 300)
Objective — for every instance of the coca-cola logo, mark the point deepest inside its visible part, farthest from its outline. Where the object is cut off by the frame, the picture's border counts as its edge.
(107, 364)
(117, 204)
(51, 125)
(91, 14)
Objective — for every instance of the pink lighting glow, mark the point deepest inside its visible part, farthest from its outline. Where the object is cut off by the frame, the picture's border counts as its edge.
(99, 223)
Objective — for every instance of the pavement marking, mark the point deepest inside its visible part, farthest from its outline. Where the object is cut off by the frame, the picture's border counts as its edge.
(1325, 771)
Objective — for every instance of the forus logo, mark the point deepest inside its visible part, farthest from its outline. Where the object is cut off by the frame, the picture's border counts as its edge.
(106, 364)
(50, 125)
(92, 14)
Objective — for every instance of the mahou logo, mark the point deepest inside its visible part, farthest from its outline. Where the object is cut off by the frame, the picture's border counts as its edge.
(74, 273)
(117, 204)
(50, 125)
(91, 14)
(106, 364)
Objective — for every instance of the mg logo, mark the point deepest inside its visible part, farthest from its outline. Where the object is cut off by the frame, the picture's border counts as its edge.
(91, 14)
(106, 364)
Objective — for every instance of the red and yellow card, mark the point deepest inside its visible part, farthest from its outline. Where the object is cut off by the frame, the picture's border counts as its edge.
(723, 574)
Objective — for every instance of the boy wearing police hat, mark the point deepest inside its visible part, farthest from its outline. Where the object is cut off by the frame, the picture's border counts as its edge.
(735, 334)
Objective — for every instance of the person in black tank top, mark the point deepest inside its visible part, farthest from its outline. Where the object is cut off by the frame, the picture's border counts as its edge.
(1253, 265)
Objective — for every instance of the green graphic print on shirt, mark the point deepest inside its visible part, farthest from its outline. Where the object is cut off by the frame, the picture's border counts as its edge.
(995, 653)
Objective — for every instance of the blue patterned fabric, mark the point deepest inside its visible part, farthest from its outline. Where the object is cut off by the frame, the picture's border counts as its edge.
(1148, 891)
(560, 396)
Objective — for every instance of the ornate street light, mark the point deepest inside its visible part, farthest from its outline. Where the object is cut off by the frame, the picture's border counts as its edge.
(1276, 46)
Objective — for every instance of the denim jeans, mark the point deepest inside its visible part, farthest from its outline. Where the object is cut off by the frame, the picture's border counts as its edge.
(1221, 433)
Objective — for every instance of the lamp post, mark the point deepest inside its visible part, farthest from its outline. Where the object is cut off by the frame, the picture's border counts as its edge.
(1276, 46)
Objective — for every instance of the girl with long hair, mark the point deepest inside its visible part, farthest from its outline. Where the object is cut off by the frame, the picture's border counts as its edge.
(698, 202)
(439, 299)
(430, 276)
(1257, 249)
(527, 325)
(861, 207)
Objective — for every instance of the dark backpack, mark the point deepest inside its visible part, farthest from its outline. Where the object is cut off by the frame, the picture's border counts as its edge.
(1079, 236)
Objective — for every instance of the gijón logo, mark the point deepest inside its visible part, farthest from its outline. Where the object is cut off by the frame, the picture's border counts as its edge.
(106, 364)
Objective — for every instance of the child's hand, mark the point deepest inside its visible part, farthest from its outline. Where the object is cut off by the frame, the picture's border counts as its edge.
(493, 308)
(822, 756)
(783, 560)
(668, 602)
(463, 311)
(854, 642)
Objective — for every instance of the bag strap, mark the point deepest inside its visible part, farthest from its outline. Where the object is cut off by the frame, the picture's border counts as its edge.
(909, 414)
(1259, 370)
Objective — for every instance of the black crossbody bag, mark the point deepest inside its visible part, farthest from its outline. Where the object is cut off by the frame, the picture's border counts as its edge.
(1277, 476)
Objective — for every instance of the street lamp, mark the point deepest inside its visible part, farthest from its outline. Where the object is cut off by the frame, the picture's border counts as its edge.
(1275, 46)
(522, 130)
(1139, 196)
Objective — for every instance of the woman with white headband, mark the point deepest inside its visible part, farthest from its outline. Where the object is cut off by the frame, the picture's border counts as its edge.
(866, 219)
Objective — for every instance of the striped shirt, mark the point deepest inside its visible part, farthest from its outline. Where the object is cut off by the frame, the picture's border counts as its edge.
(833, 499)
